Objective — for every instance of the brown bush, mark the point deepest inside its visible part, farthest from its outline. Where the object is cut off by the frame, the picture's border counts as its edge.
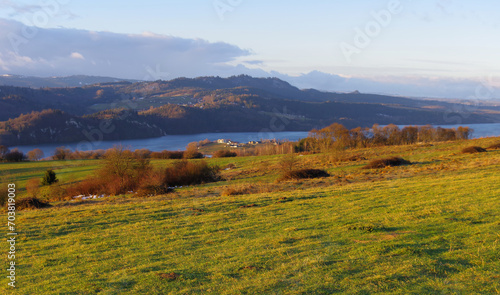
(237, 190)
(304, 174)
(31, 203)
(388, 162)
(495, 146)
(224, 154)
(167, 155)
(190, 173)
(33, 187)
(473, 150)
(152, 185)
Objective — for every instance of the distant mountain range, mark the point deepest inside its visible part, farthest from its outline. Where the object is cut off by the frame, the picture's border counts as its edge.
(113, 110)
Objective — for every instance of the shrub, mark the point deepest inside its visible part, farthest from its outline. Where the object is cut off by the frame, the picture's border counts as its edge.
(167, 155)
(473, 150)
(236, 190)
(49, 178)
(495, 146)
(224, 154)
(14, 156)
(304, 174)
(388, 162)
(152, 185)
(31, 203)
(189, 173)
(33, 187)
(4, 194)
(192, 151)
(288, 162)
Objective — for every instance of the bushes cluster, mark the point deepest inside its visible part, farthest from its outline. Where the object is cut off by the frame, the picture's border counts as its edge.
(304, 174)
(387, 162)
(31, 203)
(495, 146)
(125, 171)
(190, 173)
(473, 150)
(7, 155)
(224, 154)
(167, 155)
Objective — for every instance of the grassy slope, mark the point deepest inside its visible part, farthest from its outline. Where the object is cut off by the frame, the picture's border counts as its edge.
(429, 228)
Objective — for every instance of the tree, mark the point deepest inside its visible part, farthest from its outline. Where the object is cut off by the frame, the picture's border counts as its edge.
(14, 156)
(61, 153)
(124, 165)
(49, 178)
(35, 155)
(3, 152)
(192, 151)
(288, 163)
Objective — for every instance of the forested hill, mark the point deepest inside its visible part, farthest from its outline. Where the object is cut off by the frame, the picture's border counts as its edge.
(206, 104)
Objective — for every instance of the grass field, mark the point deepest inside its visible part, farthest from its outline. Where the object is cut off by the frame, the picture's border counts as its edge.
(432, 227)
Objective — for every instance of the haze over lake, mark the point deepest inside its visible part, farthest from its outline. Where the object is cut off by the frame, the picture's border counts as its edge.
(179, 142)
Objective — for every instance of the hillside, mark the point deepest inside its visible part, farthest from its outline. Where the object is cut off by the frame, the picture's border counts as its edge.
(426, 228)
(213, 104)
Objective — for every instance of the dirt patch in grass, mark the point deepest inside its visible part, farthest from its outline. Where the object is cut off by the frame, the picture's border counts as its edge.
(473, 150)
(249, 206)
(169, 276)
(387, 162)
(31, 203)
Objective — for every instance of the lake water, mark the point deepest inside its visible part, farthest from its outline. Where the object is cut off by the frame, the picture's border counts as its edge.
(179, 142)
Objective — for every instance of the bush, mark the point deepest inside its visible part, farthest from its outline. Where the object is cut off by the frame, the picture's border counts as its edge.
(49, 178)
(473, 150)
(304, 174)
(31, 203)
(15, 156)
(167, 155)
(224, 154)
(33, 187)
(237, 190)
(152, 185)
(190, 173)
(288, 162)
(495, 146)
(388, 162)
(4, 194)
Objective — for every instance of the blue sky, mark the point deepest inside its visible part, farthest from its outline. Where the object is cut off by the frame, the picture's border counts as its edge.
(427, 39)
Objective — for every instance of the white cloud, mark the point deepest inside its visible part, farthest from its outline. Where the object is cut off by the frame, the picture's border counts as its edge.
(60, 51)
(77, 55)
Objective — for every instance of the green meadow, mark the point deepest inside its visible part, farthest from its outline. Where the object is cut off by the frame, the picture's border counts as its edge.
(432, 227)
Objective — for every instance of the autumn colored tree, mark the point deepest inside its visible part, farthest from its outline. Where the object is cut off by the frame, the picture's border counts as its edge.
(35, 155)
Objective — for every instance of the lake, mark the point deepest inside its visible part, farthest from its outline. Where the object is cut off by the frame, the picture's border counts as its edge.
(179, 142)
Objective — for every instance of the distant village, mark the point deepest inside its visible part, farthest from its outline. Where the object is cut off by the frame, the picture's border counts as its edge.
(235, 144)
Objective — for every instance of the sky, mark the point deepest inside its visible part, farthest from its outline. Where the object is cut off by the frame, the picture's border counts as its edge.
(449, 45)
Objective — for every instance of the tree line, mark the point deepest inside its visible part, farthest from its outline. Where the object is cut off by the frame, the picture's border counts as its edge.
(338, 137)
